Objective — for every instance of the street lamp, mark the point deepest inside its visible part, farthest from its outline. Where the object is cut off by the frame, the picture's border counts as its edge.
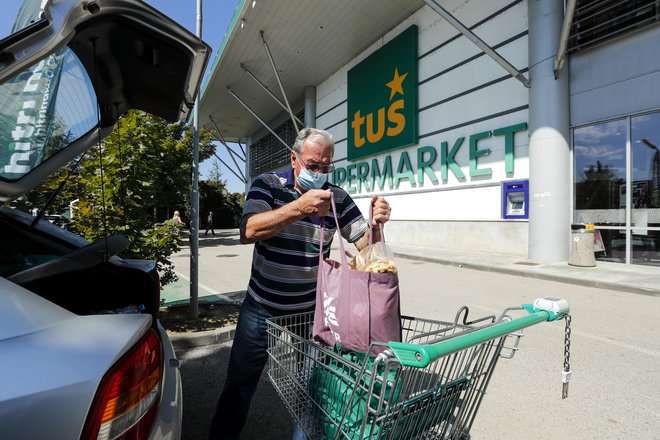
(654, 171)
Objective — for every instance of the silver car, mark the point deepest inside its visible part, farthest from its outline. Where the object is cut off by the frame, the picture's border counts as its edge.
(82, 354)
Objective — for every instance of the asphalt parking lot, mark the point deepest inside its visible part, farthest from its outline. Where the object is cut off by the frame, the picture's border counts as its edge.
(615, 354)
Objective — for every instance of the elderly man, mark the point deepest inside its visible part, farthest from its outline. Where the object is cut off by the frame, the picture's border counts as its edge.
(282, 217)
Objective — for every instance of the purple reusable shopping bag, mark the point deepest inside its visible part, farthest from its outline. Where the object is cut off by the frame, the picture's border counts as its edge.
(355, 308)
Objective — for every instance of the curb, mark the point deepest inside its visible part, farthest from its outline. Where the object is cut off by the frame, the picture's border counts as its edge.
(183, 341)
(538, 275)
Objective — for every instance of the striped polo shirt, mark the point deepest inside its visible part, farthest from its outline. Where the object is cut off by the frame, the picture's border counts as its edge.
(284, 266)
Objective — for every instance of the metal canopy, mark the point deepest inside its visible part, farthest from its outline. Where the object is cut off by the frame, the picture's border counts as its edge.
(309, 40)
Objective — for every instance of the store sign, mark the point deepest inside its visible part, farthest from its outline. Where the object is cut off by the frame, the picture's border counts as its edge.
(382, 98)
(366, 176)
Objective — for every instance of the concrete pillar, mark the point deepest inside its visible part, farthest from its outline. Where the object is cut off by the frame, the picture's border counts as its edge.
(310, 106)
(549, 177)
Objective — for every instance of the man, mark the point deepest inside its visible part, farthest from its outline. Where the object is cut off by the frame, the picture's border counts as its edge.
(281, 216)
(209, 224)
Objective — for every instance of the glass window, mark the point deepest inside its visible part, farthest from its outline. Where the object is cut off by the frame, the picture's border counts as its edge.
(600, 174)
(43, 110)
(645, 213)
(604, 159)
(596, 21)
(610, 245)
(646, 248)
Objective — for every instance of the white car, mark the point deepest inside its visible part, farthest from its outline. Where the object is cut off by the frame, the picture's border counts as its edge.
(68, 368)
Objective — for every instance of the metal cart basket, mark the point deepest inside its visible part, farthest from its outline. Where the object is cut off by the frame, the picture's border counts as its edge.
(429, 387)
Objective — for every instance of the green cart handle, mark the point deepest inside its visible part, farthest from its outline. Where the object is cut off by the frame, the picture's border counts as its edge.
(420, 355)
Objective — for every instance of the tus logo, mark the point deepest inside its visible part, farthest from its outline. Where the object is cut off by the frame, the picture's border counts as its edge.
(382, 98)
(396, 120)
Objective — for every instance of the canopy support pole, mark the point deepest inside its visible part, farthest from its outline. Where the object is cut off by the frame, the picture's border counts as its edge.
(247, 107)
(479, 42)
(279, 82)
(565, 33)
(263, 86)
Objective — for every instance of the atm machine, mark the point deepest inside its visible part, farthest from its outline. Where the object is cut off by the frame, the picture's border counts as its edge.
(515, 199)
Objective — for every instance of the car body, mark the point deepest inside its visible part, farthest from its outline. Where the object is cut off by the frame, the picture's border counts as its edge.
(82, 353)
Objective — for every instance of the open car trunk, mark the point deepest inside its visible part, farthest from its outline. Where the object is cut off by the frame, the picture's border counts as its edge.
(113, 286)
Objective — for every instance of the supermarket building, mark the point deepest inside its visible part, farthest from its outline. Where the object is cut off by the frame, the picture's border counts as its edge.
(489, 126)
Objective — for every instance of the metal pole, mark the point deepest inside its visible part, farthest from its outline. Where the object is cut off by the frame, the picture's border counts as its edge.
(226, 144)
(565, 33)
(258, 118)
(549, 134)
(279, 82)
(232, 157)
(221, 139)
(242, 179)
(231, 154)
(479, 42)
(310, 106)
(263, 86)
(242, 150)
(194, 197)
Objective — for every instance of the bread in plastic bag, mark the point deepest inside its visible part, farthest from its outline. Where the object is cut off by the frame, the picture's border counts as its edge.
(377, 257)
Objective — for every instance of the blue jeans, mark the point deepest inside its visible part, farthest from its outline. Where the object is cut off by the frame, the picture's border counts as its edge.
(246, 362)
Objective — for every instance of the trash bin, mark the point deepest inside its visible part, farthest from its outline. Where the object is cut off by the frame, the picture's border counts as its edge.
(582, 245)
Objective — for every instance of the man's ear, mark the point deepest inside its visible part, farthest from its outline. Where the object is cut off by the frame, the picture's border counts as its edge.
(293, 159)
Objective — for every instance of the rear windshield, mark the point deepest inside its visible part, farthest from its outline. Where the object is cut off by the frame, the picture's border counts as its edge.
(43, 110)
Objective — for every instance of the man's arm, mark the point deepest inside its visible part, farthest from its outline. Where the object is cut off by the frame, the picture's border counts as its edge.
(264, 225)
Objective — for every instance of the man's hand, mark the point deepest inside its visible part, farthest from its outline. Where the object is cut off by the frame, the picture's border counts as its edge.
(381, 212)
(314, 202)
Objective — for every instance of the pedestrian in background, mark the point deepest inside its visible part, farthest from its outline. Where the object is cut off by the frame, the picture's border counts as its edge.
(209, 224)
(177, 219)
(282, 216)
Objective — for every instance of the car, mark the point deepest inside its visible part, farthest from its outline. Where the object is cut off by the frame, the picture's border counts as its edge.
(82, 353)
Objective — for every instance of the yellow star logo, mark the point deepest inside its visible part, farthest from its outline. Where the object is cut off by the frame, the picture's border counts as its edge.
(395, 84)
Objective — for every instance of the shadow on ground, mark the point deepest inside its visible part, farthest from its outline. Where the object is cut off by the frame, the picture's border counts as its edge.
(203, 372)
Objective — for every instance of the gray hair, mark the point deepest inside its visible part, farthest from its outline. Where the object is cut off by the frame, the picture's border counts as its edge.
(314, 134)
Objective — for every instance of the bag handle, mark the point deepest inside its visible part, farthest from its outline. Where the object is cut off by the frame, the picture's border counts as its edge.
(380, 226)
(344, 261)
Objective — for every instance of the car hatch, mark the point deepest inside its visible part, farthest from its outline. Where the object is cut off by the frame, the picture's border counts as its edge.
(67, 77)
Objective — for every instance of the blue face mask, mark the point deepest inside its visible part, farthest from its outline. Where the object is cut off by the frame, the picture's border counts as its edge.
(308, 180)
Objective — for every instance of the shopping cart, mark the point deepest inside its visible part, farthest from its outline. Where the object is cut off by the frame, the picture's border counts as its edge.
(428, 387)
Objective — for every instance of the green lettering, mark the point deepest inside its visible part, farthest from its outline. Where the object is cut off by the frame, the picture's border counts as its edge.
(424, 166)
(476, 153)
(379, 179)
(350, 172)
(362, 173)
(509, 135)
(447, 160)
(339, 176)
(404, 170)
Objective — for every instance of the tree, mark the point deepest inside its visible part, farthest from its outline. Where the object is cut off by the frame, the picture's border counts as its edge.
(227, 208)
(213, 196)
(131, 186)
(215, 175)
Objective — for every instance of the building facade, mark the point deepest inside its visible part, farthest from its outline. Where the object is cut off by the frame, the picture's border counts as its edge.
(473, 157)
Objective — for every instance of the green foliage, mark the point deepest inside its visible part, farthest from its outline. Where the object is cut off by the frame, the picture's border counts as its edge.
(133, 185)
(145, 176)
(227, 208)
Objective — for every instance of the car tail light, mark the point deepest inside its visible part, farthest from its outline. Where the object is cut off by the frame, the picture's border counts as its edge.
(127, 400)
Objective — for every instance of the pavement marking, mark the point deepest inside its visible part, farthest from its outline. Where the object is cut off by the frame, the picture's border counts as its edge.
(591, 336)
(207, 288)
(619, 344)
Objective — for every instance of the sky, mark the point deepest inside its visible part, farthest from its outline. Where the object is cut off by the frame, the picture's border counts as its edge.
(216, 17)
